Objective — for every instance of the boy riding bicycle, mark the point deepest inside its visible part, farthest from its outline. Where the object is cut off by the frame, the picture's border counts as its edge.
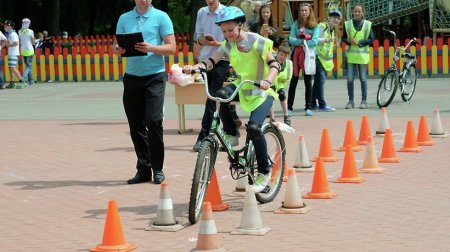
(251, 57)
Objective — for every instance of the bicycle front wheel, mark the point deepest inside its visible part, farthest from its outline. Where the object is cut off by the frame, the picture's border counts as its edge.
(387, 89)
(277, 152)
(202, 174)
(409, 83)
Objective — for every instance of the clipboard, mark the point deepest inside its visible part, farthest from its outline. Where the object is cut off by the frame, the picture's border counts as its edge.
(127, 42)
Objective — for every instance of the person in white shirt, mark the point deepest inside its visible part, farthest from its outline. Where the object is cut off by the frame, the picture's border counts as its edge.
(2, 42)
(12, 43)
(26, 36)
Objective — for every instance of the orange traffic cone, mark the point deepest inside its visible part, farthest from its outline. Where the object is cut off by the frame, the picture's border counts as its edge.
(410, 143)
(423, 135)
(325, 152)
(251, 222)
(370, 164)
(384, 122)
(364, 131)
(302, 162)
(349, 173)
(293, 203)
(388, 153)
(436, 126)
(319, 189)
(276, 166)
(213, 195)
(349, 138)
(165, 219)
(207, 234)
(113, 239)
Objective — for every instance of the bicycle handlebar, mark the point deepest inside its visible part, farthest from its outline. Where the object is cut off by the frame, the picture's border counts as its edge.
(395, 36)
(202, 71)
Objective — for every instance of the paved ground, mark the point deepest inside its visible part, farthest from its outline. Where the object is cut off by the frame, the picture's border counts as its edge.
(66, 151)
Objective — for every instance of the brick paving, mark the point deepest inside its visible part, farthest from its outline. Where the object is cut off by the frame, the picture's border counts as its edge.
(66, 151)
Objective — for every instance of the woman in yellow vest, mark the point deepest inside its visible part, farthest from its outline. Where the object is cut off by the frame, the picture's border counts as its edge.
(324, 59)
(358, 36)
(250, 55)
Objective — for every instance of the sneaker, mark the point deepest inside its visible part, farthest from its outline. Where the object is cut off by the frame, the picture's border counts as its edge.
(350, 104)
(261, 182)
(327, 109)
(314, 106)
(363, 105)
(287, 120)
(10, 85)
(2, 85)
(197, 146)
(308, 112)
(289, 113)
(232, 140)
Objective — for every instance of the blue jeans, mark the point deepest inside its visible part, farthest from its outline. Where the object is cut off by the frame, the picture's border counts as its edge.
(27, 72)
(362, 72)
(257, 117)
(318, 87)
(2, 78)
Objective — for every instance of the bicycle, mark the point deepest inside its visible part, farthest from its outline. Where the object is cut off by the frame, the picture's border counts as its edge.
(242, 161)
(393, 79)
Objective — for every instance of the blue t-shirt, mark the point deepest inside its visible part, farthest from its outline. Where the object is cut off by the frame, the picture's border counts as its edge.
(154, 25)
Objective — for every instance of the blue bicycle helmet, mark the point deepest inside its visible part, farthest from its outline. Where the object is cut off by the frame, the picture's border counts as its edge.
(230, 13)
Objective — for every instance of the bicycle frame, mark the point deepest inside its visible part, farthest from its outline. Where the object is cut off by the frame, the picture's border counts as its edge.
(396, 57)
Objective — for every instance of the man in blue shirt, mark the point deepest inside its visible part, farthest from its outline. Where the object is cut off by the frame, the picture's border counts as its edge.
(144, 86)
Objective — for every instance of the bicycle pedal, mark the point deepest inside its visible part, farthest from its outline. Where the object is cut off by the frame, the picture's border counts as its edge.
(266, 189)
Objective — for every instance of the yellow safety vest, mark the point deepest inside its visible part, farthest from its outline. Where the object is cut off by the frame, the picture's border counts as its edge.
(325, 50)
(356, 54)
(285, 75)
(251, 66)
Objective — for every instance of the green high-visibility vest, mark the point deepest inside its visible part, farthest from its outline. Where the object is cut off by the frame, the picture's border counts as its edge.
(325, 50)
(251, 66)
(285, 75)
(356, 54)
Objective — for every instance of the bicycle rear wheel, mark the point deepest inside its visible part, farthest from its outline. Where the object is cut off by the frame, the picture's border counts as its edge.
(409, 84)
(277, 152)
(387, 89)
(202, 174)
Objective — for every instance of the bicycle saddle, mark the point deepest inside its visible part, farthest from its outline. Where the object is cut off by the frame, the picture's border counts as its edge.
(408, 55)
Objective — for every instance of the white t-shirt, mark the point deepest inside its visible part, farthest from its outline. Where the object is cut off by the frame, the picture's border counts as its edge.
(2, 38)
(13, 37)
(26, 36)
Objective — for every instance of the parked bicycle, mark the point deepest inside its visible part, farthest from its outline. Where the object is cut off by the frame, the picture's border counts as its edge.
(394, 79)
(242, 161)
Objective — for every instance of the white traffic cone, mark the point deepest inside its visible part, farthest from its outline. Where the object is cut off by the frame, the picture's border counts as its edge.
(251, 223)
(165, 220)
(384, 122)
(370, 164)
(302, 162)
(239, 190)
(207, 234)
(293, 203)
(436, 126)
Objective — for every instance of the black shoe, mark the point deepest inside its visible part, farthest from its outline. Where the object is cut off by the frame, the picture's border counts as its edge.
(139, 178)
(197, 146)
(158, 177)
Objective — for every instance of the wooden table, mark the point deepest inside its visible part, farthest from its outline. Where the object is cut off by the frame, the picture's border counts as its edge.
(191, 94)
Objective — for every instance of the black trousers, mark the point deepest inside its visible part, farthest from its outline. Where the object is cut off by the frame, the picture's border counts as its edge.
(216, 77)
(308, 91)
(143, 100)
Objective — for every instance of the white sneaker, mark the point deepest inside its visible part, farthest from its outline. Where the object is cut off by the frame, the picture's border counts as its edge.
(261, 182)
(232, 140)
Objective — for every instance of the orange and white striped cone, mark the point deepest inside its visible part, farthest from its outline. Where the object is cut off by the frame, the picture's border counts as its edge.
(293, 203)
(384, 122)
(251, 223)
(165, 219)
(302, 162)
(207, 234)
